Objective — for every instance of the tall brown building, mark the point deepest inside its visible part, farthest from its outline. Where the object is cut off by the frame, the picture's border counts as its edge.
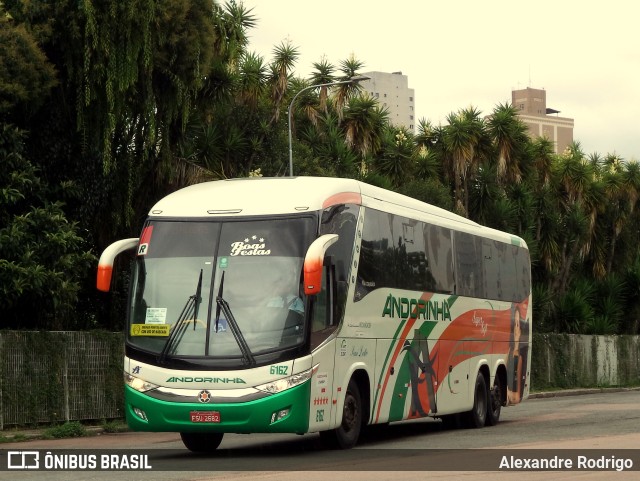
(541, 120)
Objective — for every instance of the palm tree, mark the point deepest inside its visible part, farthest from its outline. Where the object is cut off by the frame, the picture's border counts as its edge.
(428, 164)
(363, 125)
(580, 200)
(549, 229)
(575, 232)
(509, 136)
(623, 190)
(285, 56)
(522, 197)
(395, 159)
(465, 141)
(486, 192)
(330, 148)
(252, 74)
(323, 74)
(542, 153)
(231, 38)
(574, 173)
(349, 68)
(427, 134)
(631, 179)
(306, 102)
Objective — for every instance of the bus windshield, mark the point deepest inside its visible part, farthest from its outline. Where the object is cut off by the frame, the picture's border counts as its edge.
(186, 270)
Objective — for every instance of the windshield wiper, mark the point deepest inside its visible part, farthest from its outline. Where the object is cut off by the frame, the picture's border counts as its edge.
(175, 336)
(223, 305)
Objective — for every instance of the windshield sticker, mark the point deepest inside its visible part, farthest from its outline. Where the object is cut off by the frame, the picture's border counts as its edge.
(253, 246)
(145, 239)
(223, 262)
(156, 315)
(161, 330)
(221, 326)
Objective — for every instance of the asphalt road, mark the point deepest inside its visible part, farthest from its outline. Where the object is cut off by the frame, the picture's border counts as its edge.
(599, 427)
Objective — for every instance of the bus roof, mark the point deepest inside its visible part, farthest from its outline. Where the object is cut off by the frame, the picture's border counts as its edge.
(286, 195)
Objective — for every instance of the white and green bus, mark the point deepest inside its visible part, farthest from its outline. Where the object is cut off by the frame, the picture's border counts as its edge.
(301, 305)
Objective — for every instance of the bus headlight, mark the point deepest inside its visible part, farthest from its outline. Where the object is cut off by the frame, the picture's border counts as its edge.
(137, 383)
(280, 385)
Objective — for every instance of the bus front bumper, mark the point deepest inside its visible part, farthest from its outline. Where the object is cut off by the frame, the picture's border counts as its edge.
(284, 412)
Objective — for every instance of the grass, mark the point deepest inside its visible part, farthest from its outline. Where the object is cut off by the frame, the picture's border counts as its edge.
(67, 430)
(115, 426)
(73, 429)
(13, 438)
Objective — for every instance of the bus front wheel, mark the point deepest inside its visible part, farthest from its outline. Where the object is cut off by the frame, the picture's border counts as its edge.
(346, 435)
(201, 442)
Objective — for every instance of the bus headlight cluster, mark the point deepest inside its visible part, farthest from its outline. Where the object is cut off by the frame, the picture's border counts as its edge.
(137, 383)
(140, 413)
(280, 414)
(280, 385)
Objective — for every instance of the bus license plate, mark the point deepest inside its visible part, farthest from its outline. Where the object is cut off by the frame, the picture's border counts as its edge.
(205, 417)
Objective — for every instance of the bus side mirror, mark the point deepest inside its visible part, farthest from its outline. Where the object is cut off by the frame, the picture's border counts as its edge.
(314, 261)
(105, 264)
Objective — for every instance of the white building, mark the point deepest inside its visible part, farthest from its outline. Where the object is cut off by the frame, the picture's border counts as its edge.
(392, 91)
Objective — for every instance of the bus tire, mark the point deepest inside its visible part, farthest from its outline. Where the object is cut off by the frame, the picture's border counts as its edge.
(346, 435)
(477, 417)
(201, 442)
(495, 403)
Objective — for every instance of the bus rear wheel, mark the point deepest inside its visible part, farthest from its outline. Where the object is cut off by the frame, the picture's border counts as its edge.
(495, 403)
(477, 417)
(201, 442)
(346, 435)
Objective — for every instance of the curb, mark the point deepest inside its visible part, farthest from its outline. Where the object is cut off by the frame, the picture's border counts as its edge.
(579, 392)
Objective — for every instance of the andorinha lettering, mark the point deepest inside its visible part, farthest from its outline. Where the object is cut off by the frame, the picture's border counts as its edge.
(214, 380)
(416, 309)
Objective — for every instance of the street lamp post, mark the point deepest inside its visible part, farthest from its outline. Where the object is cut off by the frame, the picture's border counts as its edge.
(352, 80)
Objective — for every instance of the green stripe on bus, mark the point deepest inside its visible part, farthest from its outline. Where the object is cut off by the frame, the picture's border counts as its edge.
(386, 361)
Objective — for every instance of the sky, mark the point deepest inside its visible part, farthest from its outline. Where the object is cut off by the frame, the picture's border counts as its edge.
(462, 53)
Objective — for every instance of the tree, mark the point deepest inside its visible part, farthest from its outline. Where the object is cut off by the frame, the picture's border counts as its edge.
(285, 56)
(349, 68)
(462, 139)
(363, 125)
(130, 74)
(509, 136)
(395, 160)
(622, 182)
(323, 74)
(26, 76)
(542, 155)
(43, 260)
